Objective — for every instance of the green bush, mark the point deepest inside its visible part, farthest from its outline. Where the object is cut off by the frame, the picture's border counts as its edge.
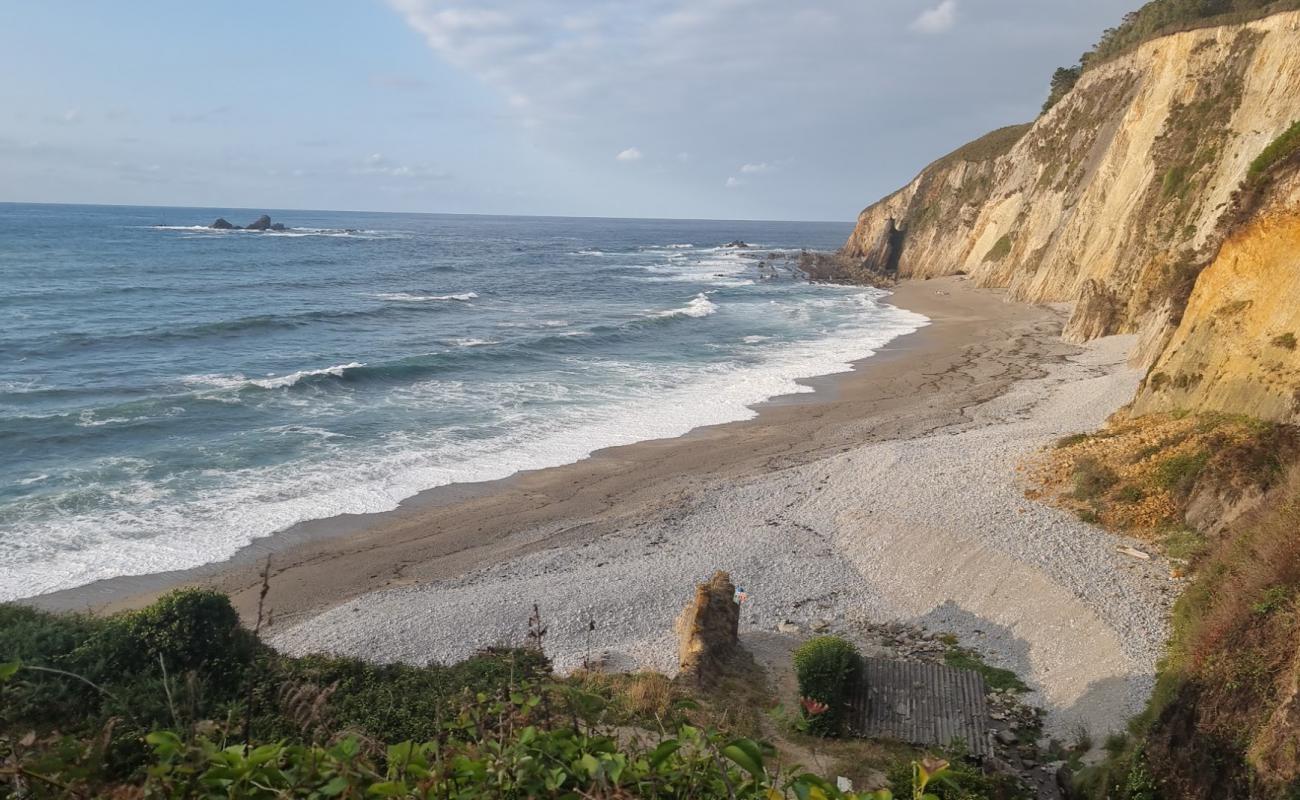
(1092, 478)
(827, 668)
(1280, 149)
(186, 658)
(1178, 474)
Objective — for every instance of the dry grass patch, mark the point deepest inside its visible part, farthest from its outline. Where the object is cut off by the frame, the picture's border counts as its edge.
(1140, 476)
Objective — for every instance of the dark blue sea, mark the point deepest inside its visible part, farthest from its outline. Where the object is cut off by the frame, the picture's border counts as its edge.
(170, 393)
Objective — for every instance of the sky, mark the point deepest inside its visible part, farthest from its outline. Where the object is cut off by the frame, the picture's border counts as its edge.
(722, 109)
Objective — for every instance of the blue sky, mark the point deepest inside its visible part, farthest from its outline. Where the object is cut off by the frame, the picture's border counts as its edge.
(667, 108)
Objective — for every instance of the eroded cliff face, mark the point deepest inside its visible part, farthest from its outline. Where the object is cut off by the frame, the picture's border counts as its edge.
(1236, 349)
(1114, 199)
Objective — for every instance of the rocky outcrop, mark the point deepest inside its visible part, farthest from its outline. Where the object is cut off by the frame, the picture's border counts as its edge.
(262, 223)
(1114, 199)
(708, 641)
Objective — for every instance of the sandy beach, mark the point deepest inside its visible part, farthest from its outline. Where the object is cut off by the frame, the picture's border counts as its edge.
(890, 493)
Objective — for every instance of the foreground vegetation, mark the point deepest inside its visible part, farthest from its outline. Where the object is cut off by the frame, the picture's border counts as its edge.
(1220, 496)
(180, 701)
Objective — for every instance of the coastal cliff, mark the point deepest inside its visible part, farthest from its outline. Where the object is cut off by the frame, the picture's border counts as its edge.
(1159, 195)
(1118, 200)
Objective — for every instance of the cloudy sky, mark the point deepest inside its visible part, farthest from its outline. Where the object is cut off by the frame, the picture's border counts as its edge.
(666, 108)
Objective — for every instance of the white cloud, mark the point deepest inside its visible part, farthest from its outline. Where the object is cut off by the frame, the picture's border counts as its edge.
(939, 19)
(70, 117)
(751, 169)
(630, 154)
(379, 164)
(733, 182)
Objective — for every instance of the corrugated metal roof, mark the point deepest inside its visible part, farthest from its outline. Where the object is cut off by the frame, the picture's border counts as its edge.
(921, 704)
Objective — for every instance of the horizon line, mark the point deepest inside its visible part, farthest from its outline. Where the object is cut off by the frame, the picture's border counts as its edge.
(422, 213)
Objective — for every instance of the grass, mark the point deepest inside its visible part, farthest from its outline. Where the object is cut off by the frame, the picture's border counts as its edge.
(1130, 494)
(1183, 544)
(1072, 440)
(1286, 341)
(994, 677)
(1000, 249)
(1279, 150)
(1178, 474)
(1092, 478)
(1174, 184)
(986, 148)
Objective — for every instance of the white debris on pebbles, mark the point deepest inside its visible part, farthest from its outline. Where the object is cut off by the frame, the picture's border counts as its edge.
(933, 530)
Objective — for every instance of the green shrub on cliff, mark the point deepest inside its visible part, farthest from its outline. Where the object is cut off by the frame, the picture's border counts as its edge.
(1063, 80)
(827, 668)
(1279, 150)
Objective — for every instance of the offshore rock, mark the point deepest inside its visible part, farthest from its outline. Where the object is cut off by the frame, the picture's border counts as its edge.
(262, 223)
(222, 224)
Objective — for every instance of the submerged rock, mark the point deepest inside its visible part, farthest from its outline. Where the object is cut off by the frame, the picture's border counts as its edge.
(737, 243)
(222, 225)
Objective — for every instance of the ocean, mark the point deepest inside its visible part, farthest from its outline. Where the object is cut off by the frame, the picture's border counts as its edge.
(171, 393)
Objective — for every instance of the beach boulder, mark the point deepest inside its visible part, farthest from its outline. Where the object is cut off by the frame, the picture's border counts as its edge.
(708, 639)
(262, 223)
(222, 225)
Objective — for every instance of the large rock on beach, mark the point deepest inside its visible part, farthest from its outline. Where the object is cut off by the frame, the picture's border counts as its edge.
(708, 631)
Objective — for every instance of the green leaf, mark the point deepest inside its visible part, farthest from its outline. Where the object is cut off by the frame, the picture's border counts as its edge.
(747, 754)
(9, 669)
(665, 750)
(389, 789)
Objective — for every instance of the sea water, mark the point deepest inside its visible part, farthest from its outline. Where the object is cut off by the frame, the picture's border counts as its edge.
(169, 393)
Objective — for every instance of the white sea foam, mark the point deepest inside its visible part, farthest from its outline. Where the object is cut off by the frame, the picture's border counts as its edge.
(700, 306)
(405, 297)
(354, 233)
(34, 479)
(144, 530)
(214, 380)
(282, 381)
(474, 342)
(237, 380)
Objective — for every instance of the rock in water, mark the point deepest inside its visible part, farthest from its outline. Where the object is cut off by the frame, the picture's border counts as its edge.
(222, 225)
(279, 226)
(263, 223)
(708, 631)
(738, 244)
